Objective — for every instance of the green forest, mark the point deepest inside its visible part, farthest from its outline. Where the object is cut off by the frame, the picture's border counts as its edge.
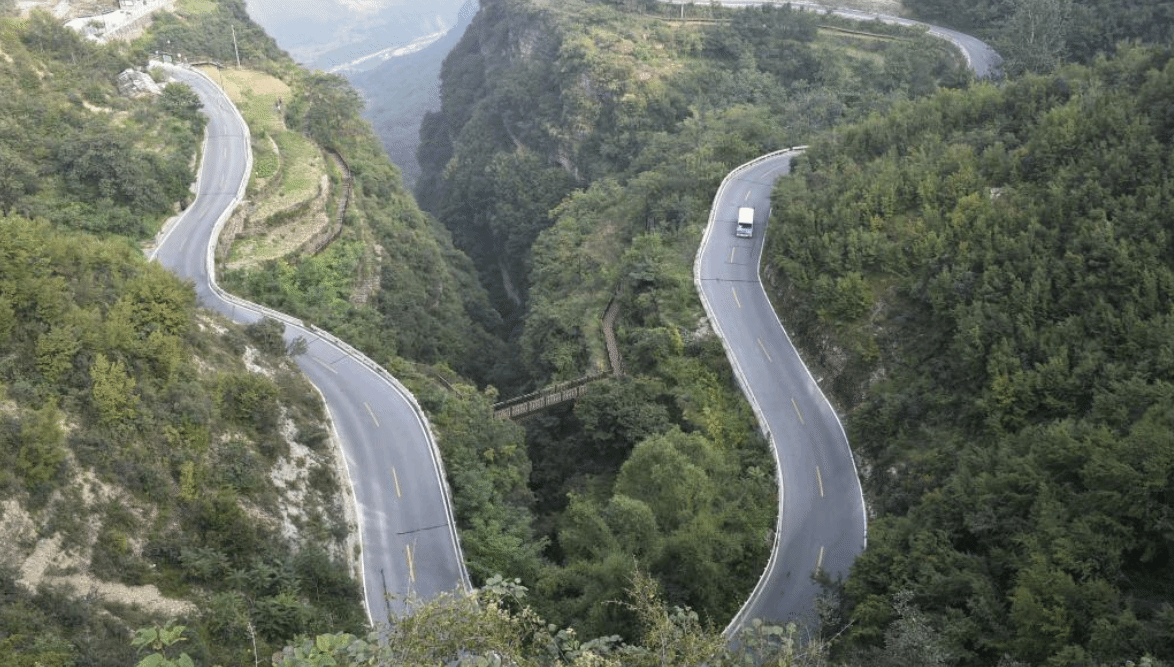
(584, 173)
(134, 437)
(980, 270)
(72, 152)
(960, 257)
(1002, 260)
(1040, 34)
(143, 442)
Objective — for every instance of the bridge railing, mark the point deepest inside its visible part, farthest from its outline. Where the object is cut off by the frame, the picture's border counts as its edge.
(526, 404)
(545, 397)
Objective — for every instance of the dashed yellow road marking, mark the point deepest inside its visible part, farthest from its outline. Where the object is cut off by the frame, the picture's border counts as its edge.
(819, 561)
(326, 366)
(797, 411)
(763, 347)
(736, 299)
(372, 413)
(819, 478)
(412, 564)
(395, 478)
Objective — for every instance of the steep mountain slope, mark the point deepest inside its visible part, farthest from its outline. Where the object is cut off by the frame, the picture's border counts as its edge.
(402, 89)
(988, 277)
(392, 285)
(391, 282)
(575, 157)
(156, 464)
(159, 464)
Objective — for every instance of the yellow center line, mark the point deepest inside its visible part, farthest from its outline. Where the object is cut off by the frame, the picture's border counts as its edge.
(326, 365)
(747, 196)
(732, 254)
(819, 561)
(395, 478)
(412, 564)
(372, 413)
(736, 299)
(819, 478)
(797, 412)
(763, 347)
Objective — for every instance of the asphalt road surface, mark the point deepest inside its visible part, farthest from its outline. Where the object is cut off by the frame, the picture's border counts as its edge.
(409, 542)
(982, 59)
(821, 524)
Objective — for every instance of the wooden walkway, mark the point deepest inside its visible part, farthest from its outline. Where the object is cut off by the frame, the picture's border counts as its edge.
(526, 405)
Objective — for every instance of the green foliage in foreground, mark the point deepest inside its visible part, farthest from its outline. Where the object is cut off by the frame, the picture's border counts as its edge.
(990, 275)
(494, 626)
(110, 382)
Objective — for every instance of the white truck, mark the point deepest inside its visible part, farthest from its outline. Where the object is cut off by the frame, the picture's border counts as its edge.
(745, 227)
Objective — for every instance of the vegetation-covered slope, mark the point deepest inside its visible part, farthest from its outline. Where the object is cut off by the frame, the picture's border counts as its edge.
(155, 463)
(989, 277)
(576, 153)
(72, 151)
(391, 284)
(1039, 35)
(159, 461)
(427, 316)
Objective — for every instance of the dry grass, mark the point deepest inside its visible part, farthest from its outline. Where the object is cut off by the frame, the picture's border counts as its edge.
(196, 6)
(256, 94)
(283, 239)
(288, 173)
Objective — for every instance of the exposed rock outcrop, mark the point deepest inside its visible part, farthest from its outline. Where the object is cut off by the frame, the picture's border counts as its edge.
(133, 83)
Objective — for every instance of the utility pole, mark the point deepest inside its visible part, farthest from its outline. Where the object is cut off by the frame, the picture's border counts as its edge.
(235, 49)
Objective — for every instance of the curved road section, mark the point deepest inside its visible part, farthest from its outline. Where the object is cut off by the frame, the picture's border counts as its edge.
(822, 522)
(409, 541)
(980, 57)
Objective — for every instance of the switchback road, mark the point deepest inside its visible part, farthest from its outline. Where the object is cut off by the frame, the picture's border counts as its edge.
(409, 541)
(822, 524)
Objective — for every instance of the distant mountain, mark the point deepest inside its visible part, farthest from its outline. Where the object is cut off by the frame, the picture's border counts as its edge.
(401, 89)
(390, 50)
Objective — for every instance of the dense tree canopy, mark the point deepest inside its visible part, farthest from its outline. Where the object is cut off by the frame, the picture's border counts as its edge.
(106, 375)
(1008, 368)
(134, 440)
(583, 172)
(1036, 35)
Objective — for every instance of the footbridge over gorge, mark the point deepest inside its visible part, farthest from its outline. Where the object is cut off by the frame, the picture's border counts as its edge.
(530, 404)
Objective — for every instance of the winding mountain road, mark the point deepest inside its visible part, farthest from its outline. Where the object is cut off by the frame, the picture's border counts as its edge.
(409, 541)
(822, 521)
(821, 524)
(408, 535)
(980, 58)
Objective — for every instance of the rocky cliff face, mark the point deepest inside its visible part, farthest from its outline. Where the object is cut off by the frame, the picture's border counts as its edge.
(133, 83)
(489, 157)
(536, 101)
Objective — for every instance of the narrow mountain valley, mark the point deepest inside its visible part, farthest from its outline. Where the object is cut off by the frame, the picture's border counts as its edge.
(977, 273)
